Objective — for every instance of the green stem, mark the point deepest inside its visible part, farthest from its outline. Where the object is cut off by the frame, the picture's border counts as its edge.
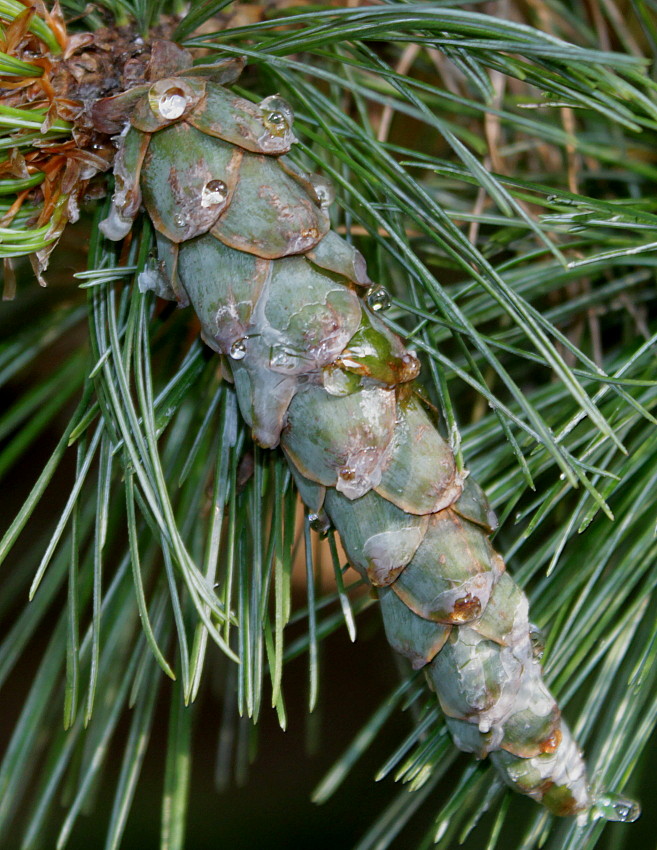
(31, 119)
(12, 9)
(10, 66)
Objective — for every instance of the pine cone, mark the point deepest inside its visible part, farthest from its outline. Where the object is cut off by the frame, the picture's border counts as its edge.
(244, 237)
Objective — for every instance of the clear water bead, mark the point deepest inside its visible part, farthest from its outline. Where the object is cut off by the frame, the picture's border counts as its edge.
(319, 522)
(282, 360)
(170, 103)
(238, 349)
(537, 640)
(324, 190)
(214, 192)
(180, 220)
(615, 807)
(378, 298)
(337, 382)
(411, 365)
(277, 115)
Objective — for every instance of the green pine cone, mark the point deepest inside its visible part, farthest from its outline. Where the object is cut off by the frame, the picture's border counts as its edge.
(244, 237)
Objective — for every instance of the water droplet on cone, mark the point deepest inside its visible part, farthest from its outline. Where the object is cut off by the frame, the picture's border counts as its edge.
(277, 115)
(238, 349)
(319, 522)
(214, 192)
(378, 298)
(537, 640)
(282, 360)
(168, 100)
(411, 368)
(324, 190)
(339, 383)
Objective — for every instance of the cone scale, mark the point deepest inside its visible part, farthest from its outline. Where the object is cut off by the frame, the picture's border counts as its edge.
(244, 238)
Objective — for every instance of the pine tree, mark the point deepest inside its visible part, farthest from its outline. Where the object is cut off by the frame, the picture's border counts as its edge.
(494, 176)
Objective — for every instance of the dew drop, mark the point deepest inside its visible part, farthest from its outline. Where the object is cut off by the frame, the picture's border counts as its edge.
(324, 190)
(378, 298)
(465, 609)
(551, 743)
(277, 119)
(319, 522)
(214, 192)
(357, 479)
(180, 220)
(282, 360)
(238, 349)
(277, 115)
(411, 365)
(615, 807)
(303, 241)
(170, 103)
(339, 383)
(537, 640)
